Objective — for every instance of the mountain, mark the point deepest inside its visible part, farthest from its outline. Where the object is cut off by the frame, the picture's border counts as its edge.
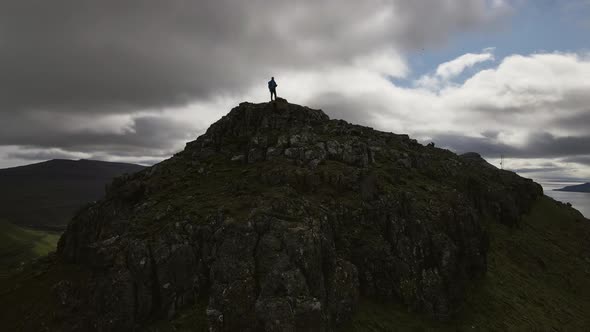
(47, 194)
(280, 219)
(581, 188)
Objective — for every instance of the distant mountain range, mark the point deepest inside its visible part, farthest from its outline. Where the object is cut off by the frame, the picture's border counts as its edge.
(46, 195)
(581, 188)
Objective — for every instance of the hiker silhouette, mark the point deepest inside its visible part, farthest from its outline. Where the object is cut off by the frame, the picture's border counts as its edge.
(272, 86)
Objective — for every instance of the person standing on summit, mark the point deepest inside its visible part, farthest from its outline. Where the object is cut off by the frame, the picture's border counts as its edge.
(272, 86)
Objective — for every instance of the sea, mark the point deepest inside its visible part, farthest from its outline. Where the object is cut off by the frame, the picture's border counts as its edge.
(580, 201)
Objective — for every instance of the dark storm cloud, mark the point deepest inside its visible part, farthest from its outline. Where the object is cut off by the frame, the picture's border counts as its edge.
(584, 160)
(506, 111)
(538, 145)
(491, 134)
(577, 121)
(547, 145)
(145, 135)
(67, 61)
(539, 169)
(113, 56)
(483, 145)
(454, 15)
(358, 110)
(42, 154)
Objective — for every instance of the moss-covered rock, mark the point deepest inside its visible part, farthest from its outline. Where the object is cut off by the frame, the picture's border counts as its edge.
(282, 218)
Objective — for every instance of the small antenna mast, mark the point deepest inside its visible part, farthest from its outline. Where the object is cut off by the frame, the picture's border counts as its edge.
(502, 162)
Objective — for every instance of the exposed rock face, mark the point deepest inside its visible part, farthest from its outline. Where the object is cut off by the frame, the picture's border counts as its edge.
(281, 218)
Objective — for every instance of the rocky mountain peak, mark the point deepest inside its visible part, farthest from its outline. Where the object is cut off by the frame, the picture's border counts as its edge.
(281, 218)
(248, 125)
(256, 132)
(249, 118)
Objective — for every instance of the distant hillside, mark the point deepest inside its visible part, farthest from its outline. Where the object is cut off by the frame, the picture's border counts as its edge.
(47, 194)
(581, 188)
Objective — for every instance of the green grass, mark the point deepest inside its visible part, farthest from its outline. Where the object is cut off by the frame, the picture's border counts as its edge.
(19, 245)
(188, 320)
(27, 299)
(24, 291)
(538, 279)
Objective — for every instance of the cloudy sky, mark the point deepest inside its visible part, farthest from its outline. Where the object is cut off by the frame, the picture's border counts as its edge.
(134, 80)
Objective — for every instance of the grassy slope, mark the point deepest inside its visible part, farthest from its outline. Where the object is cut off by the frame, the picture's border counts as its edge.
(538, 279)
(27, 300)
(18, 245)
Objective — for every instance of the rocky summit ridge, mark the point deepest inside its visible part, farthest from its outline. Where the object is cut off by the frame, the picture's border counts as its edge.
(280, 219)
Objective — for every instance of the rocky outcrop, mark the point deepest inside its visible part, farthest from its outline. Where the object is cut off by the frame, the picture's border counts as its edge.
(280, 218)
